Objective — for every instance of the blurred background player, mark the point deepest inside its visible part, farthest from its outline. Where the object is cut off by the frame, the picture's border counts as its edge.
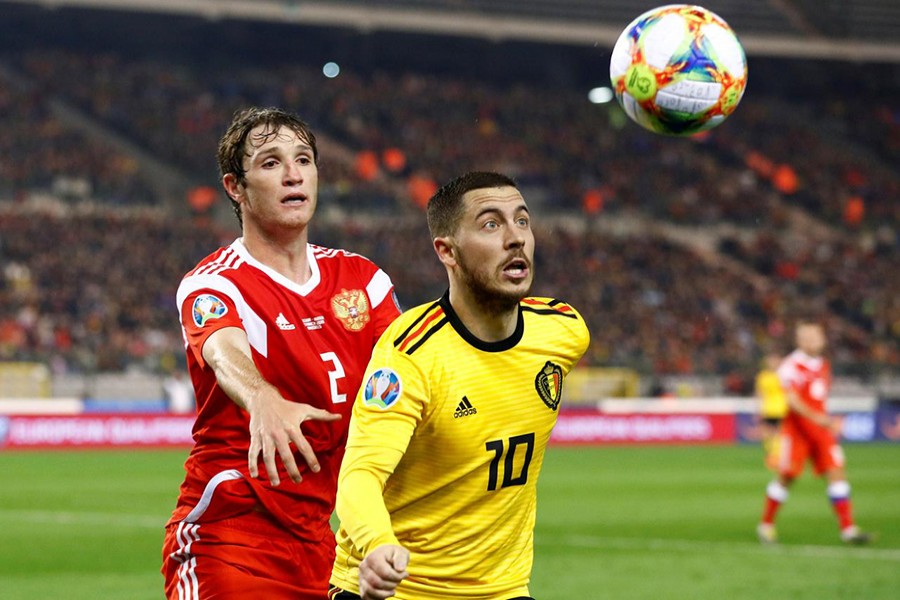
(179, 392)
(278, 333)
(772, 407)
(809, 433)
(438, 490)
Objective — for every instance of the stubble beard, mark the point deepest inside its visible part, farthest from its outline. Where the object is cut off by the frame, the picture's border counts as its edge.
(489, 296)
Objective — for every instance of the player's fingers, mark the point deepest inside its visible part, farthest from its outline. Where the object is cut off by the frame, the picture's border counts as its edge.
(305, 450)
(373, 584)
(287, 457)
(268, 451)
(320, 414)
(384, 569)
(369, 592)
(400, 560)
(253, 456)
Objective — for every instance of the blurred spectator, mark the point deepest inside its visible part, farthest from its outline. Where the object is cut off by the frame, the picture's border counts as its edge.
(651, 304)
(179, 392)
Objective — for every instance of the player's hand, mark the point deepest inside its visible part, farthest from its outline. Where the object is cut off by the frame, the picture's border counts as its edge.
(381, 571)
(274, 425)
(834, 425)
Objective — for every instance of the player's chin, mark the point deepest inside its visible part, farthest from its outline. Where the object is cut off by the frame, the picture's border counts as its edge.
(515, 288)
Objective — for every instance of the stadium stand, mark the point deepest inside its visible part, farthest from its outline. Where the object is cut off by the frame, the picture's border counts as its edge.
(687, 257)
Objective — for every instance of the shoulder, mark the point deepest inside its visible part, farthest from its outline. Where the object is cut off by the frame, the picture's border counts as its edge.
(554, 313)
(223, 259)
(216, 271)
(790, 367)
(340, 256)
(414, 327)
(557, 321)
(340, 260)
(353, 270)
(550, 307)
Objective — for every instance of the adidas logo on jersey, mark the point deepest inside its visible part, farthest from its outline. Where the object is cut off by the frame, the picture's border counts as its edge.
(464, 409)
(283, 323)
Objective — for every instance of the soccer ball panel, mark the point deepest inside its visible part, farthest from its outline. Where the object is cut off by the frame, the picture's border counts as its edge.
(728, 50)
(661, 40)
(621, 55)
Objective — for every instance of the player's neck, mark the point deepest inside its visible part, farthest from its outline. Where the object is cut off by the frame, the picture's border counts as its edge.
(488, 324)
(286, 255)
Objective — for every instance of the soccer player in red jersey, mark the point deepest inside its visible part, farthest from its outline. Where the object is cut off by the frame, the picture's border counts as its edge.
(278, 332)
(809, 433)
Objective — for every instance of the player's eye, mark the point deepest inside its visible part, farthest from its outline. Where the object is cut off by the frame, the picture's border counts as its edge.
(269, 163)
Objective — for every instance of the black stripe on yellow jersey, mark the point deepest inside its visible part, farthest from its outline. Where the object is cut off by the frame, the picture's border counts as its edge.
(439, 314)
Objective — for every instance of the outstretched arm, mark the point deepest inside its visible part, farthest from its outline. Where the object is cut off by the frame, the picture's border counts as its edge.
(274, 421)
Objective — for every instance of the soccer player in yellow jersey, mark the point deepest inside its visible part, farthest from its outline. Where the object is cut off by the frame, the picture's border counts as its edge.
(773, 407)
(437, 492)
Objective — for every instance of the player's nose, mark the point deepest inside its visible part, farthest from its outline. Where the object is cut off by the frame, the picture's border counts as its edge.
(292, 173)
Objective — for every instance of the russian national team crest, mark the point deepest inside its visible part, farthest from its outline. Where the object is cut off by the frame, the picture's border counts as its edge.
(548, 384)
(207, 307)
(351, 307)
(382, 389)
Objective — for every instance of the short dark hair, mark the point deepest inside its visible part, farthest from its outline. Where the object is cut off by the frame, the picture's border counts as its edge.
(445, 208)
(233, 145)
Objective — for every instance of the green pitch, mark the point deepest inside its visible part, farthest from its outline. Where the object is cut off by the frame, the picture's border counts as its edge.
(619, 523)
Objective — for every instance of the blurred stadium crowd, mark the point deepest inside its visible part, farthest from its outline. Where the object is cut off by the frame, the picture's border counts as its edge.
(686, 256)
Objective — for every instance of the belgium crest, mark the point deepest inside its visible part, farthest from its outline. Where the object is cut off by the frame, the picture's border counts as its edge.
(351, 307)
(548, 384)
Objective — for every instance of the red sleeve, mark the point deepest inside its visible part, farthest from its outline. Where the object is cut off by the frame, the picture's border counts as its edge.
(204, 312)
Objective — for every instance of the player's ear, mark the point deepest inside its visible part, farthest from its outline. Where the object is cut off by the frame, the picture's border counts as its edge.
(445, 250)
(232, 186)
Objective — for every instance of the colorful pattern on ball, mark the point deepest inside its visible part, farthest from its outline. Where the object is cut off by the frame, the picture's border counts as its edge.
(678, 69)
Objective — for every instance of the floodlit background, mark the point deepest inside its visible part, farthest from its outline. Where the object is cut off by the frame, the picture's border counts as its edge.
(689, 258)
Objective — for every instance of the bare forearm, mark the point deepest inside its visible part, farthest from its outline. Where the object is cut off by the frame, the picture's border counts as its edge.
(240, 379)
(228, 354)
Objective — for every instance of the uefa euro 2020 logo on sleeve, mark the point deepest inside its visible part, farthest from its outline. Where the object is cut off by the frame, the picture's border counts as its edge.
(382, 389)
(206, 307)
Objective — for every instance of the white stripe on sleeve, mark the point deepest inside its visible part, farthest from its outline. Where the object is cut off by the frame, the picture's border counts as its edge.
(379, 287)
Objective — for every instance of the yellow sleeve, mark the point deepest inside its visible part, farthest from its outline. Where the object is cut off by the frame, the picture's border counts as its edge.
(574, 343)
(360, 505)
(380, 430)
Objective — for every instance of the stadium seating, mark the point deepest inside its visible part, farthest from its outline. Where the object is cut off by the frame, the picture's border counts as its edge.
(751, 191)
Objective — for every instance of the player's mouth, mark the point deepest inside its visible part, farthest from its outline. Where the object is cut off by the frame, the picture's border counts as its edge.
(294, 199)
(516, 269)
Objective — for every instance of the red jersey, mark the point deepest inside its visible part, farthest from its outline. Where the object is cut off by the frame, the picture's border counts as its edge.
(809, 377)
(312, 342)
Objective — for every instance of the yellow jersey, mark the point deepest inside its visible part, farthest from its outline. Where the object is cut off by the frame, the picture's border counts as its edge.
(771, 393)
(445, 447)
